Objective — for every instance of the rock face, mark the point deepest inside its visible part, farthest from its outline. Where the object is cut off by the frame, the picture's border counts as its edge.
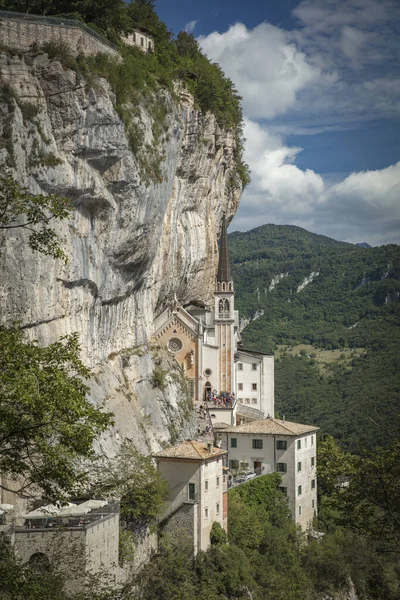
(132, 248)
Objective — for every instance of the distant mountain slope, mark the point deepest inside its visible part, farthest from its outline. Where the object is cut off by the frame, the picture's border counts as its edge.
(314, 290)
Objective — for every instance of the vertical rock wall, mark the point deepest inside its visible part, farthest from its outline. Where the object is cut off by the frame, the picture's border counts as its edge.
(132, 248)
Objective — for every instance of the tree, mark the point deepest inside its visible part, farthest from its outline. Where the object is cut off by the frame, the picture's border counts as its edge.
(134, 478)
(19, 209)
(46, 421)
(373, 497)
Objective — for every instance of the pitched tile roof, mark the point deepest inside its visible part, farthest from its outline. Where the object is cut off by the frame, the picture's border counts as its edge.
(191, 450)
(272, 426)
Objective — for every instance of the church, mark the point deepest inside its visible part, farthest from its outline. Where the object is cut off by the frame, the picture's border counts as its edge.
(206, 343)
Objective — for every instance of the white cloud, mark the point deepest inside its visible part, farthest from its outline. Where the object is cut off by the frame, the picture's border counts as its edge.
(362, 206)
(191, 26)
(338, 68)
(266, 67)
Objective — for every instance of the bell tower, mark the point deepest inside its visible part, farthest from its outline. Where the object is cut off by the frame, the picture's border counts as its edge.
(224, 317)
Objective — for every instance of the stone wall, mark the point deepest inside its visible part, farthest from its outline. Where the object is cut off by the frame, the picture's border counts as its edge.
(182, 525)
(20, 32)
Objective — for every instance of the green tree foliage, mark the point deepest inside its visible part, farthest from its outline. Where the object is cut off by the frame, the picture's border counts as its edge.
(218, 534)
(35, 213)
(134, 478)
(373, 497)
(46, 421)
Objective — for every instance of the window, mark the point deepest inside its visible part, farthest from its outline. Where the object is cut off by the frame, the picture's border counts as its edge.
(233, 464)
(257, 444)
(247, 400)
(281, 467)
(299, 511)
(299, 490)
(298, 467)
(312, 440)
(254, 400)
(191, 491)
(217, 481)
(254, 367)
(313, 484)
(240, 366)
(240, 400)
(312, 503)
(206, 513)
(313, 461)
(217, 510)
(240, 386)
(206, 485)
(281, 445)
(283, 489)
(305, 442)
(141, 41)
(254, 387)
(191, 388)
(298, 444)
(233, 442)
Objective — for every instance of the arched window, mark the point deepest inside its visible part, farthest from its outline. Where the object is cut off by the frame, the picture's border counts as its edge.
(223, 309)
(223, 287)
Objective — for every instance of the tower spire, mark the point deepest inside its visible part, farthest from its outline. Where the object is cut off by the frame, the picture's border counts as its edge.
(224, 267)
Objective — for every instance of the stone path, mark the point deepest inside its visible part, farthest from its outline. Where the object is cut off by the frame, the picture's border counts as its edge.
(202, 423)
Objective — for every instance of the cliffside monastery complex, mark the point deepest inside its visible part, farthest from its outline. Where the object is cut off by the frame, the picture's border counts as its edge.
(237, 388)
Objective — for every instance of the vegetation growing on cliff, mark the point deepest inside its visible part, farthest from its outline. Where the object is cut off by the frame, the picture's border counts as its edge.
(141, 77)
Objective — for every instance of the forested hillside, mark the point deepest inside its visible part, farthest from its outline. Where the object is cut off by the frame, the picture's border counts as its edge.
(326, 295)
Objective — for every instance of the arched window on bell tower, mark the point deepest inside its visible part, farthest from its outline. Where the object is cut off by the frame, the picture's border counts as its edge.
(223, 309)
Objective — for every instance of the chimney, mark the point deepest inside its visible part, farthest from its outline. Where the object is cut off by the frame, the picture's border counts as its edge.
(209, 447)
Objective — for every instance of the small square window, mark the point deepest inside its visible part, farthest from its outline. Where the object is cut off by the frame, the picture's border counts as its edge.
(281, 467)
(206, 485)
(254, 367)
(233, 464)
(298, 444)
(257, 444)
(281, 445)
(283, 489)
(254, 400)
(233, 442)
(299, 490)
(240, 400)
(313, 484)
(240, 386)
(206, 513)
(313, 461)
(217, 481)
(299, 511)
(247, 400)
(299, 467)
(217, 509)
(240, 366)
(254, 387)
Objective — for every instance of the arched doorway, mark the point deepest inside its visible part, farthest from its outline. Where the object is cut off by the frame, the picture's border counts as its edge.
(207, 390)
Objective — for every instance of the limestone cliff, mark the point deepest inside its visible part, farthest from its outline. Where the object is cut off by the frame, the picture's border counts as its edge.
(132, 247)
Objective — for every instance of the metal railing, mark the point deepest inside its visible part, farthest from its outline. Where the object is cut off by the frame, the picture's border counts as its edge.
(57, 22)
(241, 478)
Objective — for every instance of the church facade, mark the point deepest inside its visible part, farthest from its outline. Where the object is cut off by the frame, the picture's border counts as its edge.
(206, 343)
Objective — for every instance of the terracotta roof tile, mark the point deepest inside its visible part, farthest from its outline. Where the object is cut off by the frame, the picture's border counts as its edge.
(191, 450)
(273, 427)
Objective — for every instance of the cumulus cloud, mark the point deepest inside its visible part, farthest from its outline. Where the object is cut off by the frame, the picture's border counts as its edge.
(267, 68)
(335, 70)
(191, 26)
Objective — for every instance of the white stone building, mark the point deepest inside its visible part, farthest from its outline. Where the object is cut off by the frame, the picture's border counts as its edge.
(205, 342)
(197, 491)
(271, 445)
(140, 38)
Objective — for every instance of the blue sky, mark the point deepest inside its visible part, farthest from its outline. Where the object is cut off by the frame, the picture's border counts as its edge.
(320, 81)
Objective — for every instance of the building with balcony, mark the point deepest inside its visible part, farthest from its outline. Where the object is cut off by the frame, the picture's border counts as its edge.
(206, 343)
(272, 445)
(197, 491)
